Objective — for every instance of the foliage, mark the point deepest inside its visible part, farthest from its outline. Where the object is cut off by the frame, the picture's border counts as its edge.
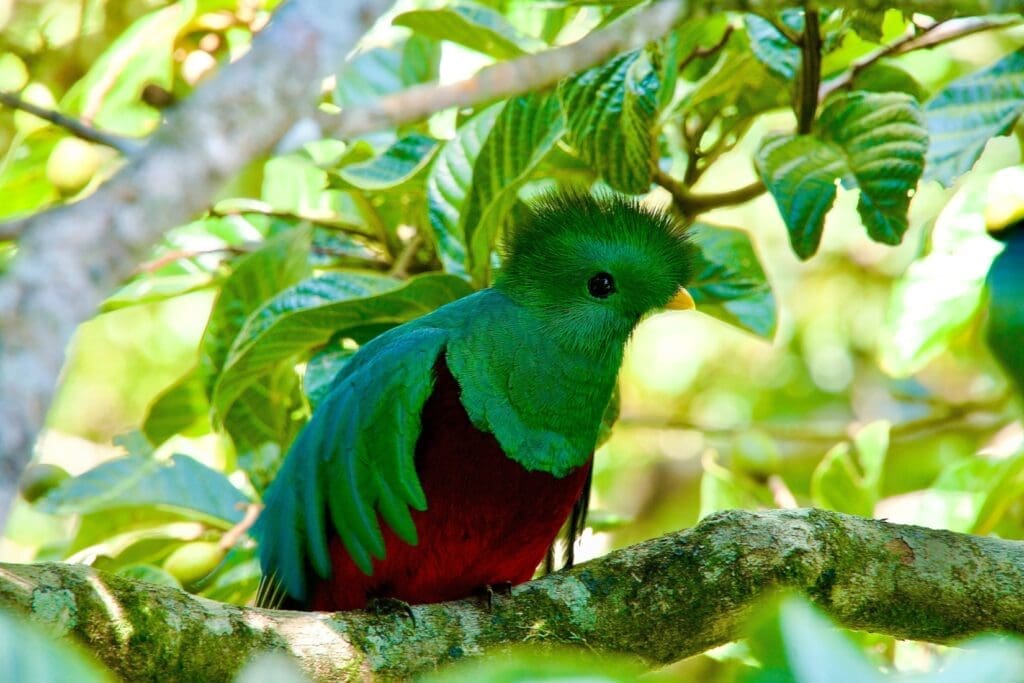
(879, 396)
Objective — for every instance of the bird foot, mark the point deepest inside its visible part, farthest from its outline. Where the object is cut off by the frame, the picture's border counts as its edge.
(504, 589)
(384, 605)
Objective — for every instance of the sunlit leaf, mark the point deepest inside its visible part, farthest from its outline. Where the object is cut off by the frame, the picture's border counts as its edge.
(397, 164)
(474, 26)
(772, 47)
(969, 112)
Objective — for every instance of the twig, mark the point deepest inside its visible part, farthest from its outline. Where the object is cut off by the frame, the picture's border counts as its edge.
(232, 535)
(124, 145)
(810, 72)
(700, 52)
(690, 204)
(507, 79)
(261, 209)
(405, 259)
(938, 33)
(178, 254)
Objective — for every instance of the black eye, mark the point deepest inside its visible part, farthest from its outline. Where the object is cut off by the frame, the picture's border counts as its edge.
(601, 285)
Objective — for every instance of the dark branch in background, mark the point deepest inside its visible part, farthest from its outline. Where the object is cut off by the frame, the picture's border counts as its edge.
(690, 204)
(701, 52)
(662, 600)
(406, 257)
(810, 73)
(935, 34)
(77, 128)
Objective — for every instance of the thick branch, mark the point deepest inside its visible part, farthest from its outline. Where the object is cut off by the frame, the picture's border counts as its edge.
(662, 600)
(689, 203)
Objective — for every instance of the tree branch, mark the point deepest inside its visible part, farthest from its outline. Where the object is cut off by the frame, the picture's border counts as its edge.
(77, 128)
(809, 78)
(661, 600)
(938, 33)
(689, 203)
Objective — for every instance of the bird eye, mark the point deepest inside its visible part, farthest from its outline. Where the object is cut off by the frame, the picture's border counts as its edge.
(601, 285)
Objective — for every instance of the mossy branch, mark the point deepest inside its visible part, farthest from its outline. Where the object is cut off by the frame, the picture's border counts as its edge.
(661, 600)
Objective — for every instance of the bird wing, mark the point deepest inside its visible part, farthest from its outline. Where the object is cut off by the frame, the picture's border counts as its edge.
(355, 459)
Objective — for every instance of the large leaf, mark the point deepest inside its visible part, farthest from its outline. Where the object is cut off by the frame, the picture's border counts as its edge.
(475, 26)
(176, 409)
(969, 112)
(730, 283)
(263, 412)
(383, 70)
(397, 164)
(849, 477)
(875, 142)
(181, 485)
(313, 311)
(940, 293)
(525, 131)
(771, 47)
(448, 186)
(610, 115)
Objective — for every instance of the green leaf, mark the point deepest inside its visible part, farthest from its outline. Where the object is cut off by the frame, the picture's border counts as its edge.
(886, 76)
(384, 70)
(149, 574)
(875, 142)
(262, 413)
(448, 186)
(181, 485)
(178, 408)
(296, 184)
(970, 111)
(849, 479)
(796, 643)
(771, 47)
(730, 283)
(23, 182)
(141, 55)
(29, 653)
(313, 311)
(610, 115)
(939, 294)
(722, 489)
(522, 135)
(397, 164)
(474, 26)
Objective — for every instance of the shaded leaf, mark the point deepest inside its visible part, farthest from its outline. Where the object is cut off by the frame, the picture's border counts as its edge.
(313, 311)
(176, 409)
(321, 370)
(181, 485)
(969, 112)
(771, 47)
(730, 283)
(875, 142)
(848, 479)
(610, 115)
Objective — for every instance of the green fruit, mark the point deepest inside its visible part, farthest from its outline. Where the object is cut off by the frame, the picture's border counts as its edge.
(193, 561)
(39, 95)
(72, 164)
(38, 480)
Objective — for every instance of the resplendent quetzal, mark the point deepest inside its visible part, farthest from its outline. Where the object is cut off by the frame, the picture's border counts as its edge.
(451, 449)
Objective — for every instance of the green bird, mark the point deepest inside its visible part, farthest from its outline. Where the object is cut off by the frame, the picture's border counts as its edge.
(452, 449)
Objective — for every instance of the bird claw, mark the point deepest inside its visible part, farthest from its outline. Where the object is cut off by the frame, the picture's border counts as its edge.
(504, 589)
(385, 605)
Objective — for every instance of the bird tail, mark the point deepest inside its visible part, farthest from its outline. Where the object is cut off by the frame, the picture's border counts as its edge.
(271, 593)
(573, 528)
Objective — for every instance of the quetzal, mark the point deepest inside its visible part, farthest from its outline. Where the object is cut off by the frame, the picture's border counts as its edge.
(451, 449)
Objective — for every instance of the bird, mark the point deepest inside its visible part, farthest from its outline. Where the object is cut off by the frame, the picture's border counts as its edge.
(1005, 285)
(451, 449)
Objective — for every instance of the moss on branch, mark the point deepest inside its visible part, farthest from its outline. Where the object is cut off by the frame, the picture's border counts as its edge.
(661, 600)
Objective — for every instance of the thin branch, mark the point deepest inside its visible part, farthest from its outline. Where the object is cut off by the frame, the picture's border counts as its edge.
(515, 77)
(262, 209)
(810, 72)
(700, 52)
(405, 259)
(661, 601)
(689, 203)
(77, 128)
(937, 33)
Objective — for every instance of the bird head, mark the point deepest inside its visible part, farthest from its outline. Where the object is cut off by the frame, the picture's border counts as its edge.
(591, 267)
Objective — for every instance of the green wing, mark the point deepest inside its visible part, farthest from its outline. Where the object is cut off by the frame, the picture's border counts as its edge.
(353, 460)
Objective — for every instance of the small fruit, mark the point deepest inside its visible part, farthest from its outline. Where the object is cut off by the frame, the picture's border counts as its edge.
(72, 164)
(38, 480)
(193, 561)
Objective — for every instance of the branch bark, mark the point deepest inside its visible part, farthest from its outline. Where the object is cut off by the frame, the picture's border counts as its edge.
(661, 600)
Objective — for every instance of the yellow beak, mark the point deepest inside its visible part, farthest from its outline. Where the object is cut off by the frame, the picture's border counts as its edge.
(682, 301)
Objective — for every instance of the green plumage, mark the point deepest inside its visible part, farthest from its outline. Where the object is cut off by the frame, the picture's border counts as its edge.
(535, 357)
